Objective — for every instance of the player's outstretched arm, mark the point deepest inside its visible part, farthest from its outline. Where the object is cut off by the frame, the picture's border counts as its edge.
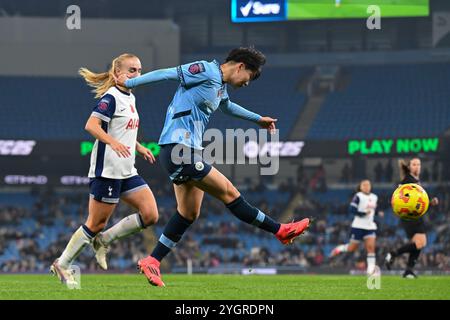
(150, 77)
(233, 109)
(236, 110)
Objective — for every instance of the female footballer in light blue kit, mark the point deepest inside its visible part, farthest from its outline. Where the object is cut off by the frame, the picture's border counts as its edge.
(202, 91)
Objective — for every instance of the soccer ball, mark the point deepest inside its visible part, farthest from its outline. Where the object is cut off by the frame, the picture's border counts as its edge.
(410, 201)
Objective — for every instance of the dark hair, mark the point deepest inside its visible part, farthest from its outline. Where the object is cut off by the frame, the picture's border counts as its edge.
(358, 187)
(252, 58)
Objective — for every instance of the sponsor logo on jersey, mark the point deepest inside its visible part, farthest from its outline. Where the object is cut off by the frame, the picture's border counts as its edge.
(132, 124)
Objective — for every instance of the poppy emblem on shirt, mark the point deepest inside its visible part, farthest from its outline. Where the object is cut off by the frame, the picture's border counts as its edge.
(132, 109)
(196, 68)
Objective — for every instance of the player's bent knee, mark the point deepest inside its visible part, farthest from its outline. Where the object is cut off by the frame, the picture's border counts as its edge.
(149, 217)
(231, 194)
(190, 215)
(421, 244)
(150, 220)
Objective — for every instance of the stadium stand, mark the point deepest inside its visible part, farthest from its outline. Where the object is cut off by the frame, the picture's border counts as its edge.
(54, 100)
(33, 228)
(364, 110)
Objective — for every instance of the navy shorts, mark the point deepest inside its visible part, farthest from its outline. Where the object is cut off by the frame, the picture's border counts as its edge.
(110, 190)
(183, 163)
(360, 234)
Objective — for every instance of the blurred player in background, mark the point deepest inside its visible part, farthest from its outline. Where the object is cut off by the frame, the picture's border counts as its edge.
(364, 207)
(337, 3)
(415, 230)
(203, 90)
(114, 124)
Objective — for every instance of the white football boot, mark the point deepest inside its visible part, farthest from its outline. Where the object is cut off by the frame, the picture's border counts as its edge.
(65, 275)
(101, 249)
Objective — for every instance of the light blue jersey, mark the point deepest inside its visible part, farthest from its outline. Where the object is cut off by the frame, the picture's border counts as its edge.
(200, 93)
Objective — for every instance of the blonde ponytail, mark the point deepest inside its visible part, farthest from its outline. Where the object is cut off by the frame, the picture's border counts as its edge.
(101, 82)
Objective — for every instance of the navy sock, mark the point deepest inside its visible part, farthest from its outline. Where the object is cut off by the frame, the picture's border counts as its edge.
(88, 232)
(409, 247)
(141, 221)
(251, 215)
(172, 233)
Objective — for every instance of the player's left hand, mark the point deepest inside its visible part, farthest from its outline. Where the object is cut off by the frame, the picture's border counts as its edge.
(146, 154)
(120, 79)
(268, 123)
(434, 201)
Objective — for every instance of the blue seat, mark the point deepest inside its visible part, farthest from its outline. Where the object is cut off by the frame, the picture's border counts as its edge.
(365, 108)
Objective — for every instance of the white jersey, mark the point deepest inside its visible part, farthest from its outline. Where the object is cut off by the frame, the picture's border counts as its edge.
(364, 202)
(117, 110)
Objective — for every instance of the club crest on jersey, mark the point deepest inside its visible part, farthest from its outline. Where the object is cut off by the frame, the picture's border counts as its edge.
(132, 124)
(196, 68)
(199, 166)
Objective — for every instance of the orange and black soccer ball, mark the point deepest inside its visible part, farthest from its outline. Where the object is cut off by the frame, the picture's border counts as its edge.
(410, 201)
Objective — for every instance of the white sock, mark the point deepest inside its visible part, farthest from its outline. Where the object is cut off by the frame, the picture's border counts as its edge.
(125, 227)
(371, 263)
(343, 247)
(76, 244)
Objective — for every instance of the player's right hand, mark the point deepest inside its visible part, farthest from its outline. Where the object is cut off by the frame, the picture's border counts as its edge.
(268, 123)
(120, 149)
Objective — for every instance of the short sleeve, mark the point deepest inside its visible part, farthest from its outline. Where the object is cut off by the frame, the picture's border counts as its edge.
(355, 201)
(192, 73)
(105, 108)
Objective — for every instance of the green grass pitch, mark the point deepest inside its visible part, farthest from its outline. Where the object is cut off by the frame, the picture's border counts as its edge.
(322, 9)
(225, 287)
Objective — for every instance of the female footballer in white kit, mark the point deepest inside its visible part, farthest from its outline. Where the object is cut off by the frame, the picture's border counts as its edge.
(364, 207)
(114, 123)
